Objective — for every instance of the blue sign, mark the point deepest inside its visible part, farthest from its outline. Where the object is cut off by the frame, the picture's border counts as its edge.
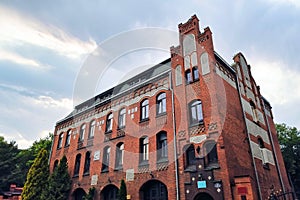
(201, 184)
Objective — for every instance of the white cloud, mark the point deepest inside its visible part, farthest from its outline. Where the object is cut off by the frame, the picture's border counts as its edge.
(49, 102)
(18, 28)
(18, 59)
(295, 3)
(279, 83)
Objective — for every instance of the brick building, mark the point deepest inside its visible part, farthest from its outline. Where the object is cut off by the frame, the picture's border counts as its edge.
(192, 127)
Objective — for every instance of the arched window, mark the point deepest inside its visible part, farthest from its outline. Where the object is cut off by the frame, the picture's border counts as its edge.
(195, 73)
(145, 109)
(154, 190)
(122, 117)
(144, 150)
(188, 76)
(109, 192)
(92, 129)
(82, 132)
(87, 163)
(196, 114)
(190, 155)
(55, 164)
(162, 146)
(60, 140)
(211, 151)
(106, 157)
(161, 104)
(178, 75)
(77, 164)
(68, 139)
(253, 109)
(109, 122)
(119, 155)
(261, 143)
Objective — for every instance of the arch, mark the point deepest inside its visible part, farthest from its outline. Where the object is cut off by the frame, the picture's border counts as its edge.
(78, 194)
(68, 138)
(161, 103)
(153, 190)
(144, 109)
(190, 158)
(203, 196)
(92, 129)
(55, 164)
(109, 192)
(60, 140)
(195, 112)
(210, 147)
(162, 146)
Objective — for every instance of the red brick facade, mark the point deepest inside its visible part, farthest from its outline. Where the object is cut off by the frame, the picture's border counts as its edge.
(204, 131)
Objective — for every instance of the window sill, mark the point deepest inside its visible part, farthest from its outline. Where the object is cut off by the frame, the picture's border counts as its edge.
(144, 163)
(191, 168)
(118, 168)
(75, 176)
(212, 166)
(67, 146)
(121, 128)
(196, 124)
(144, 120)
(104, 171)
(108, 132)
(58, 148)
(86, 174)
(161, 114)
(162, 160)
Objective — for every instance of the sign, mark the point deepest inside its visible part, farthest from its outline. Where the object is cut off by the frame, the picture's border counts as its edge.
(197, 139)
(130, 175)
(97, 155)
(94, 180)
(201, 184)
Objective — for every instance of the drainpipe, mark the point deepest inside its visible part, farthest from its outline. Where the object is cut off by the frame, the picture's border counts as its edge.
(174, 139)
(272, 142)
(248, 135)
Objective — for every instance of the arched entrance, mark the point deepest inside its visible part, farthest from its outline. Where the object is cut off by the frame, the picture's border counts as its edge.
(203, 196)
(109, 192)
(78, 194)
(154, 190)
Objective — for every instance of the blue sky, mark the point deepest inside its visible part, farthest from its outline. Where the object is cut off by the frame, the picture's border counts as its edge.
(44, 44)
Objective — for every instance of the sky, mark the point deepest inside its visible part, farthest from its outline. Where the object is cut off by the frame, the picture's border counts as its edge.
(44, 45)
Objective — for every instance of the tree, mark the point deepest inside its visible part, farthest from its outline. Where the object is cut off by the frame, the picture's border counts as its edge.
(59, 183)
(90, 195)
(289, 140)
(37, 177)
(8, 160)
(123, 191)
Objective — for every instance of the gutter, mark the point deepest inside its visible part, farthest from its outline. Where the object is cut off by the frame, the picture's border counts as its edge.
(174, 140)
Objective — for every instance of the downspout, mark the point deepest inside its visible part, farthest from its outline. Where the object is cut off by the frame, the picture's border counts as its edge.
(248, 135)
(272, 142)
(174, 139)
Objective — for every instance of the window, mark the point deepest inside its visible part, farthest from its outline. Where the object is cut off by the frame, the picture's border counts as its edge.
(82, 132)
(145, 109)
(188, 76)
(106, 156)
(178, 75)
(153, 190)
(60, 139)
(253, 109)
(196, 114)
(92, 129)
(190, 155)
(161, 104)
(55, 164)
(211, 151)
(195, 73)
(119, 155)
(87, 163)
(68, 138)
(109, 122)
(77, 165)
(162, 146)
(144, 150)
(122, 117)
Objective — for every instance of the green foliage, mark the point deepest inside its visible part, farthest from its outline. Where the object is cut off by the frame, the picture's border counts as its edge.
(90, 195)
(123, 191)
(37, 177)
(289, 140)
(59, 183)
(8, 160)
